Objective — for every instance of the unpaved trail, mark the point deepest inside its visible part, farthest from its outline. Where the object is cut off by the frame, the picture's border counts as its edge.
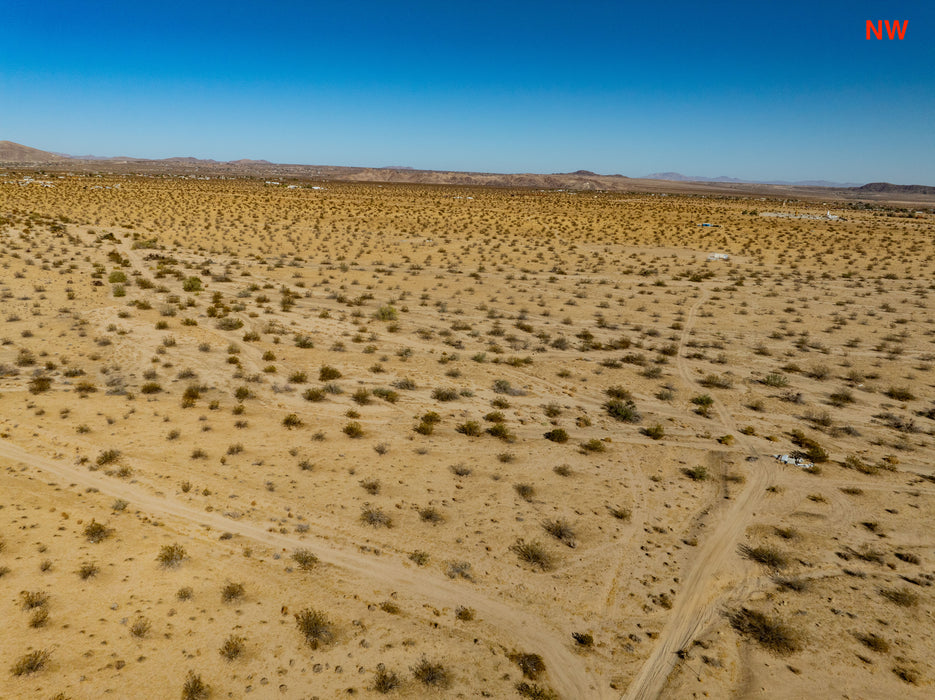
(706, 581)
(566, 670)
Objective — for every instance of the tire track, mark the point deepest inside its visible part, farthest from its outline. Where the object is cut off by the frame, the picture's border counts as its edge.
(696, 604)
(565, 669)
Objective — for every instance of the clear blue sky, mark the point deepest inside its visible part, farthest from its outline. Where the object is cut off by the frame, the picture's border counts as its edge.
(756, 90)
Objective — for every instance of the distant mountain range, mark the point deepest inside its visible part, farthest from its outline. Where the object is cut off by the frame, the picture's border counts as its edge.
(678, 177)
(14, 153)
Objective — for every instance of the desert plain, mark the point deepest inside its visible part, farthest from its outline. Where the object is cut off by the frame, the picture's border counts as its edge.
(343, 439)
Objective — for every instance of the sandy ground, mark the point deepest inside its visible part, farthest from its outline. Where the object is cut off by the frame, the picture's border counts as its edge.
(507, 443)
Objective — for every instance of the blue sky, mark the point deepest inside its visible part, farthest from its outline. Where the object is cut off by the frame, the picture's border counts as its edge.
(756, 90)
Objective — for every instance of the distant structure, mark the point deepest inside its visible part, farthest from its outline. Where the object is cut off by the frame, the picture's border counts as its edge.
(793, 459)
(718, 256)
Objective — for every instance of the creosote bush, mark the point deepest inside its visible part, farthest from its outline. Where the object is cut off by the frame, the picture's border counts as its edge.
(770, 633)
(232, 647)
(171, 555)
(385, 681)
(315, 627)
(623, 410)
(558, 435)
(194, 688)
(96, 532)
(304, 558)
(431, 674)
(232, 592)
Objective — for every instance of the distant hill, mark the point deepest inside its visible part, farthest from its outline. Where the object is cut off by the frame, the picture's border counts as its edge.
(17, 153)
(889, 188)
(678, 177)
(579, 180)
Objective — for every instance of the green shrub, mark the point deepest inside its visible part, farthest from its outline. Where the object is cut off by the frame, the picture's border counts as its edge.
(623, 410)
(558, 435)
(470, 428)
(328, 373)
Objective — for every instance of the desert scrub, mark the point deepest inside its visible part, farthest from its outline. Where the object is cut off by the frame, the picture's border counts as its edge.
(107, 457)
(431, 674)
(703, 403)
(716, 381)
(459, 569)
(140, 627)
(561, 530)
(765, 555)
(96, 532)
(194, 688)
(623, 410)
(40, 384)
(558, 435)
(531, 665)
(501, 432)
(88, 570)
(375, 517)
(232, 647)
(532, 553)
(314, 395)
(770, 633)
(328, 373)
(873, 642)
(900, 596)
(371, 486)
(353, 430)
(593, 445)
(39, 617)
(430, 514)
(619, 512)
(34, 599)
(292, 421)
(698, 473)
(419, 558)
(304, 559)
(775, 380)
(232, 592)
(470, 428)
(315, 627)
(171, 555)
(33, 662)
(385, 681)
(444, 394)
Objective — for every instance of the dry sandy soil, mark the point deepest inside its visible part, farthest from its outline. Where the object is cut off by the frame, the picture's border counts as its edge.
(460, 442)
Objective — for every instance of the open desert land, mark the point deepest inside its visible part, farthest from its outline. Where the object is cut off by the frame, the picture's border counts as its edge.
(351, 439)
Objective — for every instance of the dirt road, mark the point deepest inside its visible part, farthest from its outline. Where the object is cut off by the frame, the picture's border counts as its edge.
(566, 670)
(707, 580)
